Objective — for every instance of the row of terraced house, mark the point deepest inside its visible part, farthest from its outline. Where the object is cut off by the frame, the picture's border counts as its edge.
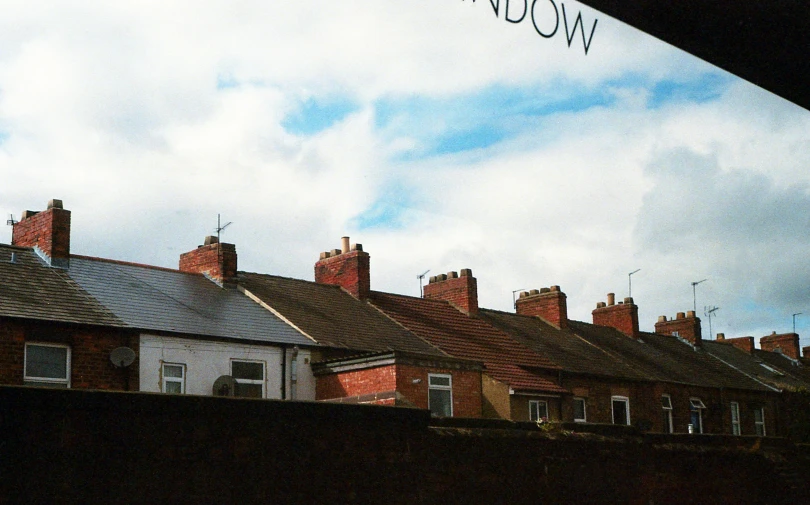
(206, 328)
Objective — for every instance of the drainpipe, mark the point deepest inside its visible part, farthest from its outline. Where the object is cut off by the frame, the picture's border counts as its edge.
(283, 372)
(294, 373)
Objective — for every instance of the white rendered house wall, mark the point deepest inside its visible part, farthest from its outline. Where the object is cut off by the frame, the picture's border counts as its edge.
(191, 366)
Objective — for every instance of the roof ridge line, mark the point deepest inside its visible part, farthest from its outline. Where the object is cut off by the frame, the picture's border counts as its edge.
(129, 263)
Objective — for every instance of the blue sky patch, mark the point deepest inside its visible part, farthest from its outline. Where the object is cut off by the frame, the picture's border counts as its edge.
(479, 120)
(388, 211)
(313, 116)
(703, 89)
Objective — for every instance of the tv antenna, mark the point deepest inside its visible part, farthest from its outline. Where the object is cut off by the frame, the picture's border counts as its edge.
(221, 227)
(11, 221)
(794, 320)
(630, 282)
(420, 277)
(709, 312)
(694, 296)
(514, 300)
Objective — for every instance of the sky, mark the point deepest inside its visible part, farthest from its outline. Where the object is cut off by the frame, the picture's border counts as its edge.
(440, 134)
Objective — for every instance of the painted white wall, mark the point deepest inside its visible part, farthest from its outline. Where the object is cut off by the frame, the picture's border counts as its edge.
(207, 360)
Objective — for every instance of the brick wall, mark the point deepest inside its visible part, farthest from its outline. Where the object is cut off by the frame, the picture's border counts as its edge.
(351, 270)
(48, 230)
(411, 382)
(98, 447)
(548, 303)
(622, 316)
(460, 290)
(685, 325)
(89, 353)
(787, 343)
(217, 260)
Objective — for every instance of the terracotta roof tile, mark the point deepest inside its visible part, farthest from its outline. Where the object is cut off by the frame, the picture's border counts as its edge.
(470, 337)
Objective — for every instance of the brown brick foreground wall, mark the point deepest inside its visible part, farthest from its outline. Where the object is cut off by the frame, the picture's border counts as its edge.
(69, 446)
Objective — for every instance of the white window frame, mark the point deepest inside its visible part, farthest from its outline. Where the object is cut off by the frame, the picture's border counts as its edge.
(759, 426)
(534, 410)
(46, 381)
(696, 405)
(666, 406)
(261, 381)
(735, 419)
(441, 387)
(584, 417)
(177, 380)
(626, 402)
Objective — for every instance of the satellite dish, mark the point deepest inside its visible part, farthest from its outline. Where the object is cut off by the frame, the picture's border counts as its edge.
(225, 385)
(122, 357)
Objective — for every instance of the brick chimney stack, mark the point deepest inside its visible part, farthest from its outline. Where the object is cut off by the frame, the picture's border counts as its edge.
(547, 303)
(686, 326)
(348, 267)
(460, 289)
(745, 344)
(48, 232)
(788, 343)
(215, 260)
(622, 316)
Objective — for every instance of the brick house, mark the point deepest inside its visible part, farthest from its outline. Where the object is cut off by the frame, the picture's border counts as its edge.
(61, 316)
(364, 355)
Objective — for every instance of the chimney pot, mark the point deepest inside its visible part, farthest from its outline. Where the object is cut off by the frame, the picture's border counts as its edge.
(466, 272)
(551, 305)
(432, 279)
(55, 204)
(357, 247)
(324, 255)
(611, 299)
(533, 292)
(555, 288)
(523, 294)
(545, 290)
(210, 239)
(452, 275)
(629, 299)
(721, 336)
(349, 269)
(461, 291)
(344, 243)
(335, 252)
(680, 315)
(599, 305)
(662, 319)
(690, 313)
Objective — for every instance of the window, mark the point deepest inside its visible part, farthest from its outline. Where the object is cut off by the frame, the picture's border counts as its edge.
(620, 406)
(47, 365)
(174, 378)
(538, 410)
(759, 421)
(735, 418)
(579, 410)
(249, 376)
(696, 408)
(440, 395)
(666, 405)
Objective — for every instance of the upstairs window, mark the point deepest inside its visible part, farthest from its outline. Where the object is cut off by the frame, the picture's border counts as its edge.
(249, 377)
(696, 408)
(620, 406)
(759, 421)
(666, 406)
(440, 395)
(538, 410)
(174, 378)
(579, 410)
(47, 365)
(735, 419)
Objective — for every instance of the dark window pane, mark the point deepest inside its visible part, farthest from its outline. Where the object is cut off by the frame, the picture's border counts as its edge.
(619, 412)
(249, 390)
(439, 401)
(173, 371)
(247, 370)
(45, 361)
(439, 381)
(579, 409)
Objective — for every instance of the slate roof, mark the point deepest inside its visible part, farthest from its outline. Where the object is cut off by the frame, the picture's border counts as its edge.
(781, 372)
(30, 289)
(666, 358)
(564, 347)
(166, 300)
(470, 337)
(332, 316)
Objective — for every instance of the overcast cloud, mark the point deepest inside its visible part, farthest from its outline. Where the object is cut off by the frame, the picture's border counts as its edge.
(434, 132)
